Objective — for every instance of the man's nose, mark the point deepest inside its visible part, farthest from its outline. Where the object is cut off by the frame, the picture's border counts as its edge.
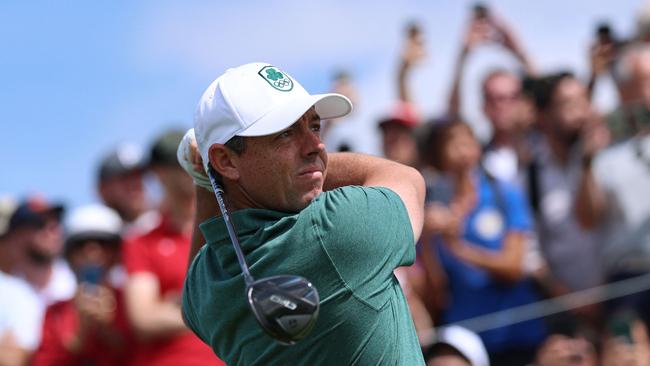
(311, 142)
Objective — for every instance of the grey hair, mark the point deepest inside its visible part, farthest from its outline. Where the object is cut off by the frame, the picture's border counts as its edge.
(236, 144)
(493, 73)
(624, 65)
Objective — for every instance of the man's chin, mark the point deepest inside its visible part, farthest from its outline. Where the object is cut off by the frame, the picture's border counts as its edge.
(309, 197)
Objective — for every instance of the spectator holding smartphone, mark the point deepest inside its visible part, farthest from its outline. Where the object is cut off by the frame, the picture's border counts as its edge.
(91, 328)
(503, 104)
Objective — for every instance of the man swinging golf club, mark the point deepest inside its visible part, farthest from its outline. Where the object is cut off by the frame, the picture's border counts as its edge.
(320, 233)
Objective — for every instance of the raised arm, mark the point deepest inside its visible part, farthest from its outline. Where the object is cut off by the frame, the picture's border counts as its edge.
(364, 170)
(591, 200)
(206, 205)
(601, 58)
(413, 53)
(510, 40)
(476, 32)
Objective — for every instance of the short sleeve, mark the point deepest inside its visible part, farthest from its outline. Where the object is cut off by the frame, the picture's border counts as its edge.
(367, 233)
(21, 313)
(188, 312)
(136, 257)
(518, 213)
(192, 283)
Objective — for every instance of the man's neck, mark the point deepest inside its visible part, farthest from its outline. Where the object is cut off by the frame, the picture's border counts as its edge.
(559, 147)
(236, 197)
(501, 139)
(37, 274)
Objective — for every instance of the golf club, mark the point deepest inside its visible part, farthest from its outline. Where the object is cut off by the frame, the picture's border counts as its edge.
(285, 306)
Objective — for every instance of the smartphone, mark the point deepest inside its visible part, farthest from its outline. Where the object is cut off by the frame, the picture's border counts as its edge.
(413, 30)
(91, 274)
(604, 33)
(480, 11)
(620, 325)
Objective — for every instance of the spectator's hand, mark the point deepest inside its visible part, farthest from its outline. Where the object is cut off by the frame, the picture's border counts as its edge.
(436, 218)
(617, 352)
(560, 350)
(96, 305)
(454, 221)
(453, 231)
(601, 56)
(479, 31)
(190, 159)
(414, 51)
(506, 36)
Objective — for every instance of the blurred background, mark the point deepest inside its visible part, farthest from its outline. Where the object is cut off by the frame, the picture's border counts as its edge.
(528, 119)
(79, 78)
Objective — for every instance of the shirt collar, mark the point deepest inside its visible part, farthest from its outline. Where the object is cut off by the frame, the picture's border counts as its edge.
(246, 221)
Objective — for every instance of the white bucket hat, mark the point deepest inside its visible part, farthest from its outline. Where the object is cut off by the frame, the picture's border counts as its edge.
(257, 99)
(468, 343)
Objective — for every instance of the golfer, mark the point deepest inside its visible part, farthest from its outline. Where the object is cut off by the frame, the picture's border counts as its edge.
(343, 221)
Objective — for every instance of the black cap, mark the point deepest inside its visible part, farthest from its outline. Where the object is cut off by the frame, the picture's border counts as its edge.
(163, 151)
(33, 212)
(122, 160)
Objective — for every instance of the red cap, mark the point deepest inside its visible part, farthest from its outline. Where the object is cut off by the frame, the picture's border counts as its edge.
(403, 113)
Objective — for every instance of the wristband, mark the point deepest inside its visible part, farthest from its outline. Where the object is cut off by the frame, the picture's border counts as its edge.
(184, 156)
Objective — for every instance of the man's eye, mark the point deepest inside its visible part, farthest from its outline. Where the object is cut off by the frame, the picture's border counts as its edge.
(285, 134)
(315, 127)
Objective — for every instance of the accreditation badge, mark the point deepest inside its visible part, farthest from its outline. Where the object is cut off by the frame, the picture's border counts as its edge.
(489, 224)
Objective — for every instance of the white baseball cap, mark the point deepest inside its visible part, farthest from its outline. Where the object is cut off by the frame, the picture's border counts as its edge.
(257, 99)
(468, 343)
(93, 221)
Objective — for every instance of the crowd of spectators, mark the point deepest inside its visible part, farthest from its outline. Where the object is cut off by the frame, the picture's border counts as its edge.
(555, 202)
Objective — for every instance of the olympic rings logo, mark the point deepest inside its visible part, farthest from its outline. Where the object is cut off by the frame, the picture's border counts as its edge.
(282, 83)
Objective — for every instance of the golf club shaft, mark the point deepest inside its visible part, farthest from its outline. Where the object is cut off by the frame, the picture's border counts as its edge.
(218, 191)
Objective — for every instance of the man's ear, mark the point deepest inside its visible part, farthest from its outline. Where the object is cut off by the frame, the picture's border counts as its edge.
(221, 159)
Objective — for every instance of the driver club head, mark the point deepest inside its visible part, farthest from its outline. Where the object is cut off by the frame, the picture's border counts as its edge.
(285, 306)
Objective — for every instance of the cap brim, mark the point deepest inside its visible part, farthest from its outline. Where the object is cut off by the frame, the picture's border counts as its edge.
(398, 121)
(327, 106)
(56, 209)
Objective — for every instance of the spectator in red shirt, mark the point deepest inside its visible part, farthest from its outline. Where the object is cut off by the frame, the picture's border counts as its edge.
(92, 328)
(157, 264)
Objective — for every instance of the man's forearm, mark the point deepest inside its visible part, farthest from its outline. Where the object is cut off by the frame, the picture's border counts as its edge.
(402, 86)
(150, 316)
(453, 109)
(346, 169)
(13, 356)
(206, 207)
(163, 320)
(591, 200)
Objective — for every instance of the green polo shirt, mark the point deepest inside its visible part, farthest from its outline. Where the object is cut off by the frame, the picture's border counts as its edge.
(347, 242)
